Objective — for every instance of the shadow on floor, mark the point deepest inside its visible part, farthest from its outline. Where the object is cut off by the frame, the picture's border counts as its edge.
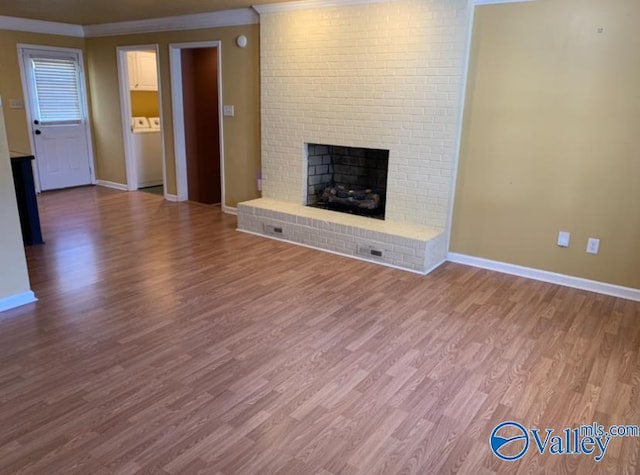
(155, 190)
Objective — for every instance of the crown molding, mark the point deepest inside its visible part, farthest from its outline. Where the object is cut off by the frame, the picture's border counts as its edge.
(39, 26)
(237, 17)
(311, 4)
(498, 2)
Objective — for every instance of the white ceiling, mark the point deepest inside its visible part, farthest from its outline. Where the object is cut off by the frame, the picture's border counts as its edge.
(90, 12)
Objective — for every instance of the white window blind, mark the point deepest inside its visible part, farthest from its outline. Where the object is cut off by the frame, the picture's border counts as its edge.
(57, 90)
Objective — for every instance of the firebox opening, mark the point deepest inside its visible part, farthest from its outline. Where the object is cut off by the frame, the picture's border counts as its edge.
(347, 179)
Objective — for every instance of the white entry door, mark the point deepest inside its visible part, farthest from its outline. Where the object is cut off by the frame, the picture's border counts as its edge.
(58, 114)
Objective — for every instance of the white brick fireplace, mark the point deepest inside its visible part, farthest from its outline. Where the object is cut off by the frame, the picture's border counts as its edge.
(376, 75)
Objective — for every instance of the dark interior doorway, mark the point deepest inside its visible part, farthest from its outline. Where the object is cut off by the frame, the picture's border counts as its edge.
(202, 123)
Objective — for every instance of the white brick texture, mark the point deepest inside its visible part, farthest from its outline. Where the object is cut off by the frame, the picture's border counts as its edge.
(414, 253)
(383, 75)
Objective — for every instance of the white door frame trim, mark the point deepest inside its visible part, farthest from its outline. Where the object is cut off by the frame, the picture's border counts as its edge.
(27, 106)
(125, 108)
(175, 58)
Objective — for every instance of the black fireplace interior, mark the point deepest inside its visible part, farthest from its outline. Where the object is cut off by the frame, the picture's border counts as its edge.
(348, 179)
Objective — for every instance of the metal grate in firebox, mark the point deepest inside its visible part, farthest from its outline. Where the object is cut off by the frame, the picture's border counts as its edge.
(347, 179)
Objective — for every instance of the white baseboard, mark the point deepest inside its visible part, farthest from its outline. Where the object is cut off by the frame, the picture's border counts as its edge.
(18, 300)
(112, 184)
(168, 197)
(229, 210)
(546, 276)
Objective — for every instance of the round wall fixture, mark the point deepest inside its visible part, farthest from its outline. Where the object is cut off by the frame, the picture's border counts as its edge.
(241, 41)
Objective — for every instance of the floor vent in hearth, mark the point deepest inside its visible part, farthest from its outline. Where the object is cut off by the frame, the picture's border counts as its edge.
(270, 229)
(370, 251)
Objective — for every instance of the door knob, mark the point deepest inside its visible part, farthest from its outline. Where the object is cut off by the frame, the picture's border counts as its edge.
(38, 132)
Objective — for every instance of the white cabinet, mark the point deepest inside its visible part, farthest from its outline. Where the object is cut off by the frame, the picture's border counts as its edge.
(143, 74)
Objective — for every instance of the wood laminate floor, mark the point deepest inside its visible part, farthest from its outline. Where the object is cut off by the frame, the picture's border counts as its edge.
(166, 342)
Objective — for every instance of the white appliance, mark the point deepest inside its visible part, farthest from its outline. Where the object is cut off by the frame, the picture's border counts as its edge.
(139, 123)
(154, 123)
(147, 152)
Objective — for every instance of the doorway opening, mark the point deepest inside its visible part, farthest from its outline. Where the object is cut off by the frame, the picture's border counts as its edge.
(197, 117)
(140, 97)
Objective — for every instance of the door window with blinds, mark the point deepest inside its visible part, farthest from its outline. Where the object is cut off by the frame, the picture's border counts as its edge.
(56, 89)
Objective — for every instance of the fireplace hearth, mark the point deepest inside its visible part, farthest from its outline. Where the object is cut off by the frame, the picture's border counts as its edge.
(347, 179)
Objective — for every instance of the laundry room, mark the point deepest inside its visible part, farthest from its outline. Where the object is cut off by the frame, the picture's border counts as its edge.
(141, 104)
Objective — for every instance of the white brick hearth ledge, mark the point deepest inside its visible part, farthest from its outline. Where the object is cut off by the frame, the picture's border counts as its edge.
(414, 248)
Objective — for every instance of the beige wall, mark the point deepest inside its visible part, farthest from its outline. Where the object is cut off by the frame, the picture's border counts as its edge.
(10, 82)
(240, 87)
(550, 138)
(14, 279)
(145, 104)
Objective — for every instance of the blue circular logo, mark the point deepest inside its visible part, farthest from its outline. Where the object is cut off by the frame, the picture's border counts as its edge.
(509, 441)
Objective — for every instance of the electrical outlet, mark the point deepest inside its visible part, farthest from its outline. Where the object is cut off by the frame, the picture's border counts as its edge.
(229, 111)
(564, 237)
(593, 245)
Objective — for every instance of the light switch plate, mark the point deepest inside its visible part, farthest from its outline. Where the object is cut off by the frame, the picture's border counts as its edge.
(16, 104)
(229, 111)
(564, 237)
